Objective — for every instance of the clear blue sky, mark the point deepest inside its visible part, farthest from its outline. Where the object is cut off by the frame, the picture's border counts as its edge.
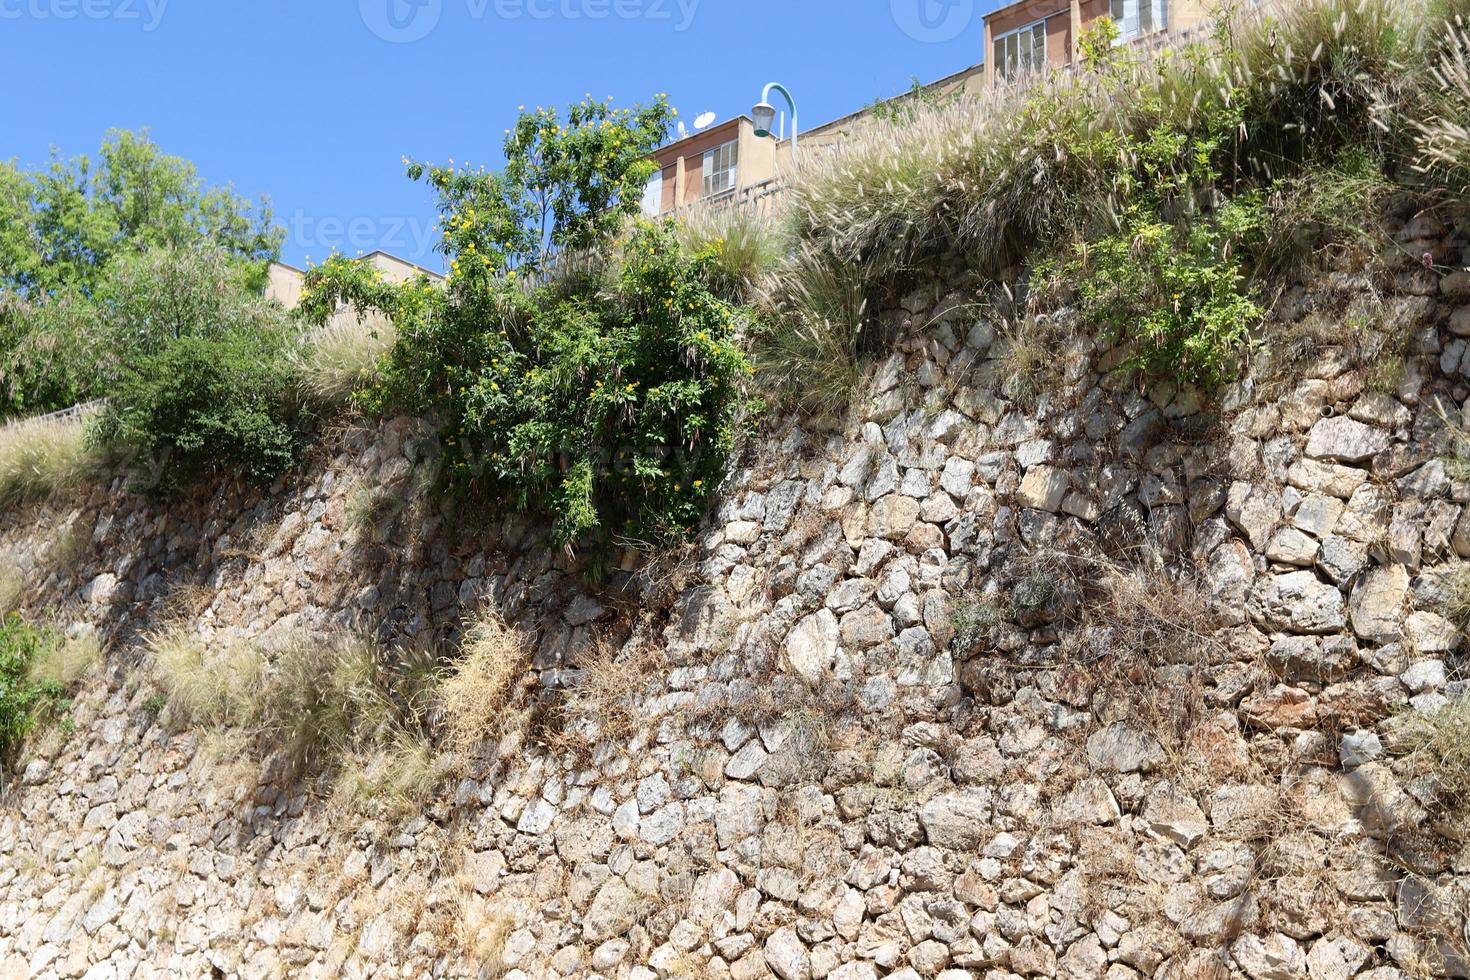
(315, 102)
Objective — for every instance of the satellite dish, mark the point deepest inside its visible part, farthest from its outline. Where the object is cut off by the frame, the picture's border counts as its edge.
(683, 131)
(704, 120)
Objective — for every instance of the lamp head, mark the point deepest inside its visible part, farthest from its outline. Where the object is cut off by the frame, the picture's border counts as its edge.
(764, 115)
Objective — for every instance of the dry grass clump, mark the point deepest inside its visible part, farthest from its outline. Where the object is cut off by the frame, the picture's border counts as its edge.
(1045, 162)
(398, 775)
(1145, 637)
(745, 245)
(371, 507)
(1442, 134)
(334, 360)
(1437, 747)
(816, 331)
(607, 704)
(370, 715)
(40, 457)
(481, 695)
(66, 662)
(482, 927)
(346, 703)
(213, 684)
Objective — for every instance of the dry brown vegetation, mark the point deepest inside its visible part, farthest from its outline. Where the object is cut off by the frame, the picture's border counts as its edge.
(483, 695)
(40, 457)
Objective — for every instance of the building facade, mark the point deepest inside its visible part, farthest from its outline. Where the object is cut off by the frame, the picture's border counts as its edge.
(1034, 35)
(714, 165)
(285, 283)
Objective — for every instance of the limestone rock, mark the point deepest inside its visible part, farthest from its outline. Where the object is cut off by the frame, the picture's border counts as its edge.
(1121, 748)
(1378, 603)
(613, 912)
(812, 645)
(1299, 602)
(957, 820)
(1346, 440)
(787, 957)
(1044, 488)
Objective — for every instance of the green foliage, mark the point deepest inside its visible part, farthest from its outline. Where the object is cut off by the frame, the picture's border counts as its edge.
(618, 411)
(1167, 283)
(87, 250)
(61, 225)
(74, 346)
(900, 108)
(23, 700)
(602, 390)
(205, 403)
(1097, 46)
(1172, 296)
(566, 185)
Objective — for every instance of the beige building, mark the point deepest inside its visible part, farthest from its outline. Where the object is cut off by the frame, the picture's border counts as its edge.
(285, 282)
(1031, 35)
(721, 163)
(728, 163)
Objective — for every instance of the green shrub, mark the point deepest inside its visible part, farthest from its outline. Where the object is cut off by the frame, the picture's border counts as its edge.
(614, 413)
(205, 404)
(23, 700)
(579, 362)
(1172, 296)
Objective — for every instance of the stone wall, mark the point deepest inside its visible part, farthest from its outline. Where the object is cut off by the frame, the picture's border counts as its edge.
(1061, 679)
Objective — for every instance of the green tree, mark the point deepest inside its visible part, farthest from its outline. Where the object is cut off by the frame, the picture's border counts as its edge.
(578, 362)
(75, 237)
(193, 363)
(60, 225)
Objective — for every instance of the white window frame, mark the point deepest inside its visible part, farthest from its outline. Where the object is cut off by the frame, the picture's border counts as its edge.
(653, 195)
(716, 179)
(1139, 18)
(1008, 71)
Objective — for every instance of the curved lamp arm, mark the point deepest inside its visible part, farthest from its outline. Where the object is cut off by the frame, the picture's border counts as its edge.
(766, 100)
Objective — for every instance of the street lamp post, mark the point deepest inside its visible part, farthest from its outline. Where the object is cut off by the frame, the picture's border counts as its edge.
(765, 114)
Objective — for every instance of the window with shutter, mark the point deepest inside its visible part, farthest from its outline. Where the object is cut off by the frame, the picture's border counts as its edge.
(720, 165)
(1020, 52)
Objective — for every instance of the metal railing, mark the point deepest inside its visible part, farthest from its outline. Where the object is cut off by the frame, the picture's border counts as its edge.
(761, 199)
(76, 411)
